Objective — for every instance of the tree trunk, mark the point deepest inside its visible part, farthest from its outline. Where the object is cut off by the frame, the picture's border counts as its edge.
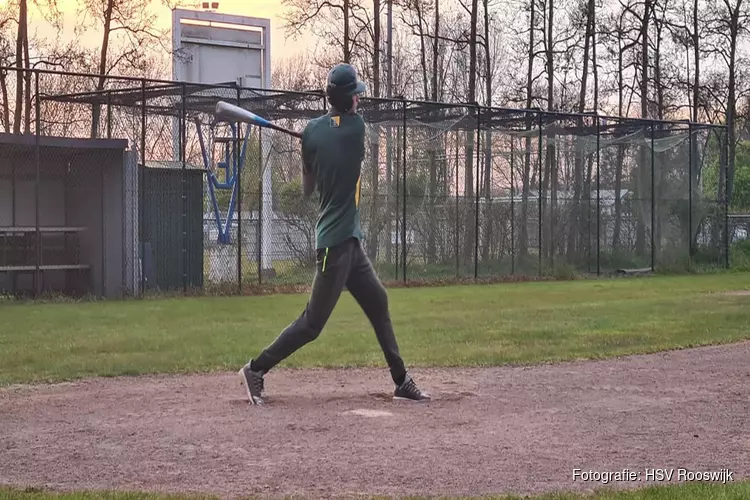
(27, 81)
(96, 109)
(576, 228)
(620, 150)
(696, 103)
(523, 232)
(470, 223)
(696, 62)
(732, 99)
(643, 178)
(488, 219)
(6, 109)
(658, 157)
(550, 165)
(347, 45)
(595, 73)
(389, 137)
(20, 38)
(434, 146)
(375, 219)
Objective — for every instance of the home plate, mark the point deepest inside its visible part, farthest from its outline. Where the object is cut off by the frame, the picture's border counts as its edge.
(363, 412)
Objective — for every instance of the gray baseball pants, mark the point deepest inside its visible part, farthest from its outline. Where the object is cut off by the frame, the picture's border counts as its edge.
(345, 265)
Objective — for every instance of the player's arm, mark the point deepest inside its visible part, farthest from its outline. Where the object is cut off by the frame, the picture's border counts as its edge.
(308, 173)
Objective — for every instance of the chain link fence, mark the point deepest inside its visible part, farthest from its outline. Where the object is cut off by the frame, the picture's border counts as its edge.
(137, 190)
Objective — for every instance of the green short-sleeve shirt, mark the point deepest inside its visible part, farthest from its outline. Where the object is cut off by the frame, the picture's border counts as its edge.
(333, 148)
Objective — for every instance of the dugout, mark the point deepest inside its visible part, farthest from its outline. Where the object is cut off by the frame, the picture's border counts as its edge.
(62, 223)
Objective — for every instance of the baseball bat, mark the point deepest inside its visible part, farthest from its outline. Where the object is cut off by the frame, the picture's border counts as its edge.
(231, 113)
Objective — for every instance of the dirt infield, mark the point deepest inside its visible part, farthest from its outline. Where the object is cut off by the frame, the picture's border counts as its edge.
(337, 433)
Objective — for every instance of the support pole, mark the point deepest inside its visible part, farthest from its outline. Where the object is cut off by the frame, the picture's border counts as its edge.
(653, 203)
(598, 197)
(403, 101)
(455, 235)
(183, 115)
(109, 114)
(38, 162)
(476, 195)
(141, 190)
(397, 255)
(239, 158)
(539, 191)
(512, 209)
(690, 197)
(725, 149)
(259, 233)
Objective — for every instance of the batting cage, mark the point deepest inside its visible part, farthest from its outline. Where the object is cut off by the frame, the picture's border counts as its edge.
(448, 192)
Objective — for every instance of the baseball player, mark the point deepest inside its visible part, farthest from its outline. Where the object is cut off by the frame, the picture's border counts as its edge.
(333, 148)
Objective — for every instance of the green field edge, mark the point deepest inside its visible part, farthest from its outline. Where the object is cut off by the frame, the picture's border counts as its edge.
(609, 352)
(375, 365)
(735, 490)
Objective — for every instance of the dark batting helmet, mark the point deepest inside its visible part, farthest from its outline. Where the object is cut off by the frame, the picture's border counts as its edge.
(343, 81)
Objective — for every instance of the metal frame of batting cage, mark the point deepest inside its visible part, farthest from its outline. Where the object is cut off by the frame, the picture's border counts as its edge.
(144, 95)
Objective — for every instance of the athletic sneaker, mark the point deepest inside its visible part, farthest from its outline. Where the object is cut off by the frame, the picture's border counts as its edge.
(409, 390)
(253, 382)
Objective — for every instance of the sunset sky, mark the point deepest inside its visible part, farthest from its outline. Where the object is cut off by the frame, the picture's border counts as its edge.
(280, 47)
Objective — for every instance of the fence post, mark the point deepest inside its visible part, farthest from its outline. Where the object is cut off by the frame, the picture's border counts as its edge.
(455, 239)
(182, 138)
(141, 177)
(598, 196)
(38, 161)
(238, 149)
(512, 208)
(102, 228)
(539, 190)
(725, 155)
(109, 114)
(653, 203)
(260, 213)
(476, 193)
(397, 255)
(690, 196)
(403, 146)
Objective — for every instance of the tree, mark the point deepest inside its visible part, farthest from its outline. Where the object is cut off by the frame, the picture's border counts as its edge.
(6, 55)
(619, 36)
(335, 22)
(729, 22)
(575, 236)
(470, 224)
(131, 23)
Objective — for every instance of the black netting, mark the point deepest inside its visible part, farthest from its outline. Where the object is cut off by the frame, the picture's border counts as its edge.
(175, 202)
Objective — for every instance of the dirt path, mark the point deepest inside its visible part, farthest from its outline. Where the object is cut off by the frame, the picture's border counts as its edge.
(497, 430)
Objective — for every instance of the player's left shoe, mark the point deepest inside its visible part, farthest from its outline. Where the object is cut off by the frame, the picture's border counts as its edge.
(253, 382)
(409, 391)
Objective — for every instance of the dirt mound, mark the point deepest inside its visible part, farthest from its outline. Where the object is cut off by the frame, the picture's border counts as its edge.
(328, 433)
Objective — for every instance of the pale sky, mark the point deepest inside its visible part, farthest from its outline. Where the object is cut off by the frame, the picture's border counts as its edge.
(280, 47)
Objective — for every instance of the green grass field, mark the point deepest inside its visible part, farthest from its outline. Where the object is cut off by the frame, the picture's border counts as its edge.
(449, 326)
(696, 491)
(441, 326)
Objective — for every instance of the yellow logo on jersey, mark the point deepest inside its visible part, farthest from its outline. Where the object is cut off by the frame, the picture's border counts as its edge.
(335, 121)
(356, 195)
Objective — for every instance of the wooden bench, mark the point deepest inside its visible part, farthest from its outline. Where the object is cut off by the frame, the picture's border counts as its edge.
(18, 253)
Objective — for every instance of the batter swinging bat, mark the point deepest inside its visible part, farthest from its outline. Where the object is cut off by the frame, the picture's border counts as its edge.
(231, 113)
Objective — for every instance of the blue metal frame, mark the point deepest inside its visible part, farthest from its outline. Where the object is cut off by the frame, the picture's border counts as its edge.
(231, 180)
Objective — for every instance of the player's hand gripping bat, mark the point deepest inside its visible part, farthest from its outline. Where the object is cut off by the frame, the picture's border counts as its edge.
(231, 113)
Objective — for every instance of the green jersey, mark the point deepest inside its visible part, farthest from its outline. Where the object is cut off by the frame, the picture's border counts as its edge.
(333, 147)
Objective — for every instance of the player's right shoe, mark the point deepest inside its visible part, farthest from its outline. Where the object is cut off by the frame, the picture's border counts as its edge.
(253, 383)
(408, 390)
